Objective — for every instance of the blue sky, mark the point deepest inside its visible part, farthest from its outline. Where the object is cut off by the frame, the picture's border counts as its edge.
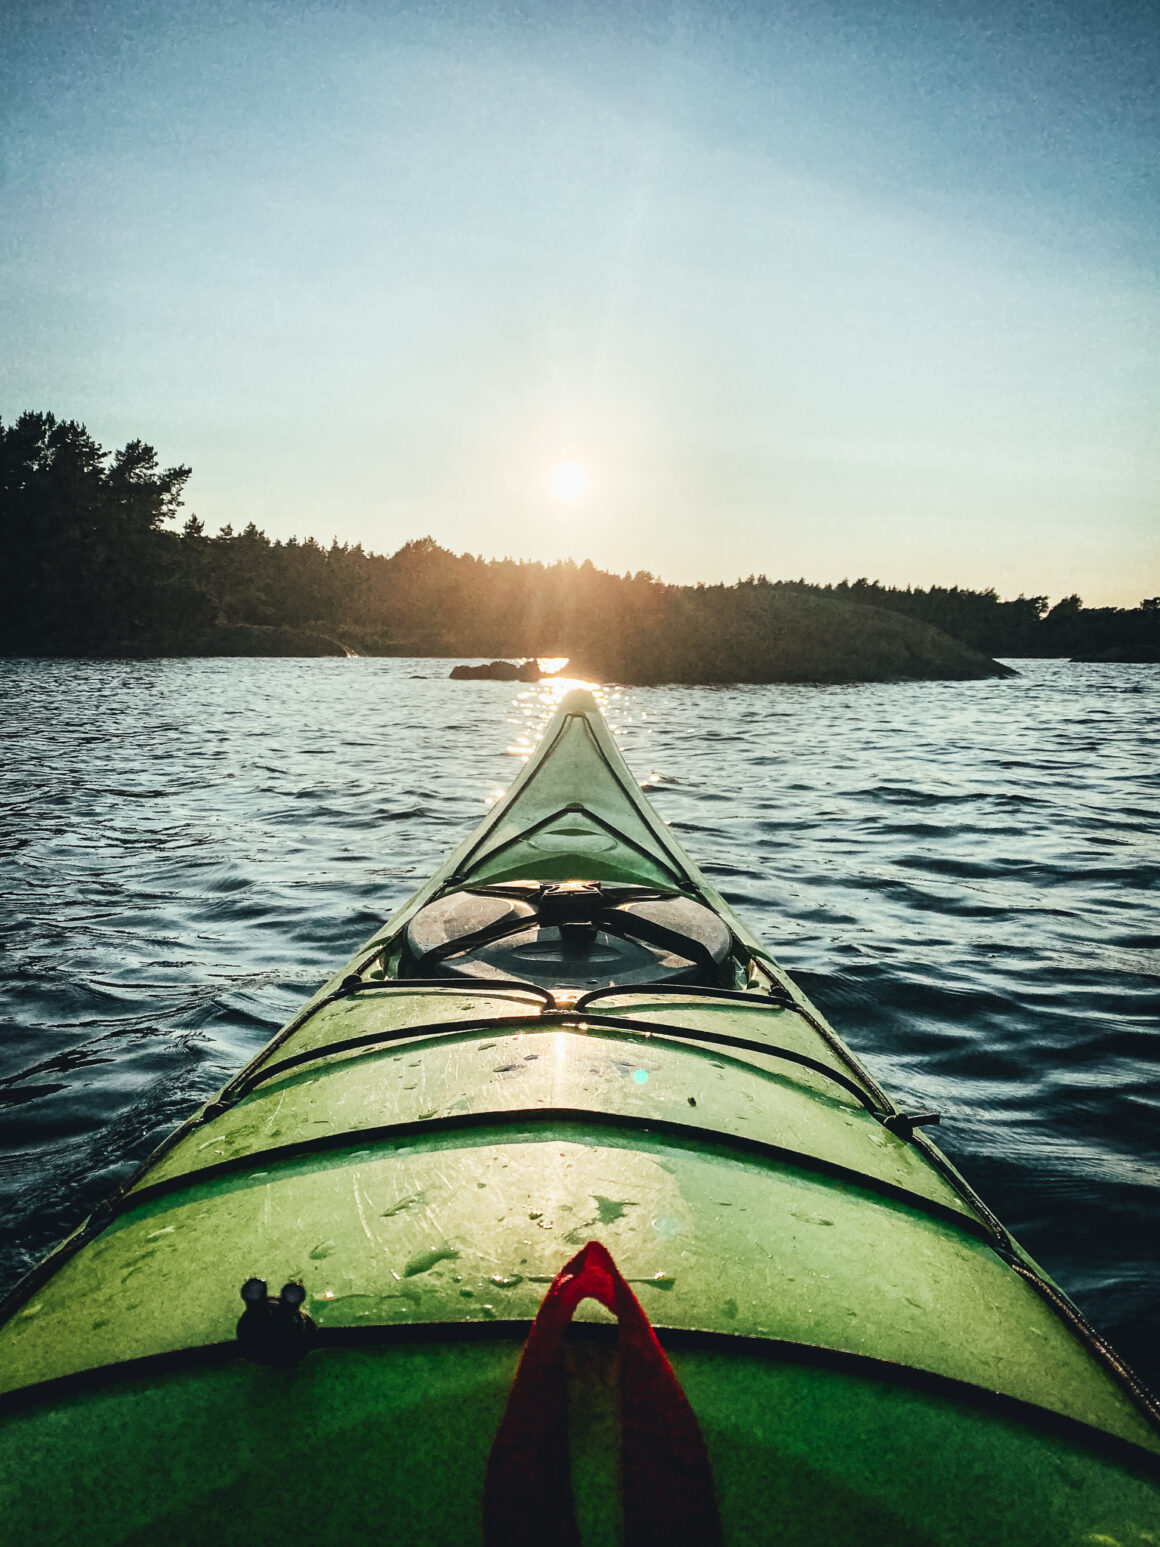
(820, 289)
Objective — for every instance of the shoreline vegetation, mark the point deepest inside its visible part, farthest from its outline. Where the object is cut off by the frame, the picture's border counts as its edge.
(94, 567)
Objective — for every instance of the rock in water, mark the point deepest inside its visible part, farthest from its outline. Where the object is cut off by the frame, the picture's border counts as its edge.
(498, 671)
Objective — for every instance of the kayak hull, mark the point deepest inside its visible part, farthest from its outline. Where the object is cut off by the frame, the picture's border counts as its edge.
(871, 1357)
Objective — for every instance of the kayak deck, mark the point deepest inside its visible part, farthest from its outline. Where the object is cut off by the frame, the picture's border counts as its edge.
(424, 1154)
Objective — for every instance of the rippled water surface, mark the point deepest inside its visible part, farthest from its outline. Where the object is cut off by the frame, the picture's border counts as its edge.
(963, 875)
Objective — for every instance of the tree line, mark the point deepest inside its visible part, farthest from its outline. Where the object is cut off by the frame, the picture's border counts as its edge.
(1026, 625)
(94, 564)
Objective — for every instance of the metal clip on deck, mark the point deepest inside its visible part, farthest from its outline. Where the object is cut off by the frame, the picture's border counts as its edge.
(274, 1329)
(904, 1123)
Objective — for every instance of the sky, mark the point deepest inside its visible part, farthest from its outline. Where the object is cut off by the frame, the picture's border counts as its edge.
(819, 288)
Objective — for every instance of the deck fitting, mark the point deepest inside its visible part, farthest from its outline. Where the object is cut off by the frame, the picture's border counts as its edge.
(274, 1329)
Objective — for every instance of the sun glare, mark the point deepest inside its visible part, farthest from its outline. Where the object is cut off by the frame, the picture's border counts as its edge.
(569, 481)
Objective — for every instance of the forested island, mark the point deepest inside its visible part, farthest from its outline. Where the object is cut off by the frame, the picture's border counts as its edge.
(94, 564)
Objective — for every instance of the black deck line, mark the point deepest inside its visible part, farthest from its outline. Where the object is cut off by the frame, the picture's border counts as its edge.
(1083, 1329)
(665, 989)
(543, 752)
(105, 1378)
(664, 1129)
(559, 1019)
(597, 820)
(669, 861)
(864, 1097)
(455, 985)
(966, 1192)
(351, 984)
(829, 1036)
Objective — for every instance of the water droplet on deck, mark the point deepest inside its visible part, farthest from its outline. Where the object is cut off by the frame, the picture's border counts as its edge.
(412, 1202)
(610, 1210)
(423, 1262)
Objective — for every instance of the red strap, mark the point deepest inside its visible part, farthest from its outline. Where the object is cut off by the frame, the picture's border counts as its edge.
(666, 1479)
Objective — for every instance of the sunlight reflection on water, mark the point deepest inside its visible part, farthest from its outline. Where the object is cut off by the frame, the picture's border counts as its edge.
(535, 705)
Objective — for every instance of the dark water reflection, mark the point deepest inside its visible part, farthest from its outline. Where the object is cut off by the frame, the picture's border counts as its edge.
(963, 875)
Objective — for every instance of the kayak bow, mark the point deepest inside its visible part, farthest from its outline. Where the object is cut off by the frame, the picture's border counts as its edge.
(565, 1035)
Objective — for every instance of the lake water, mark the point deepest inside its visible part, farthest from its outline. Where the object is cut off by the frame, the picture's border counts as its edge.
(963, 875)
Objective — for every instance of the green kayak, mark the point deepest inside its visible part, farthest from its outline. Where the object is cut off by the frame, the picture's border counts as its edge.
(565, 1037)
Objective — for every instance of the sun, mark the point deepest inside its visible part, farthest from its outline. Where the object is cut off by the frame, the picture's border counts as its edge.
(569, 481)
